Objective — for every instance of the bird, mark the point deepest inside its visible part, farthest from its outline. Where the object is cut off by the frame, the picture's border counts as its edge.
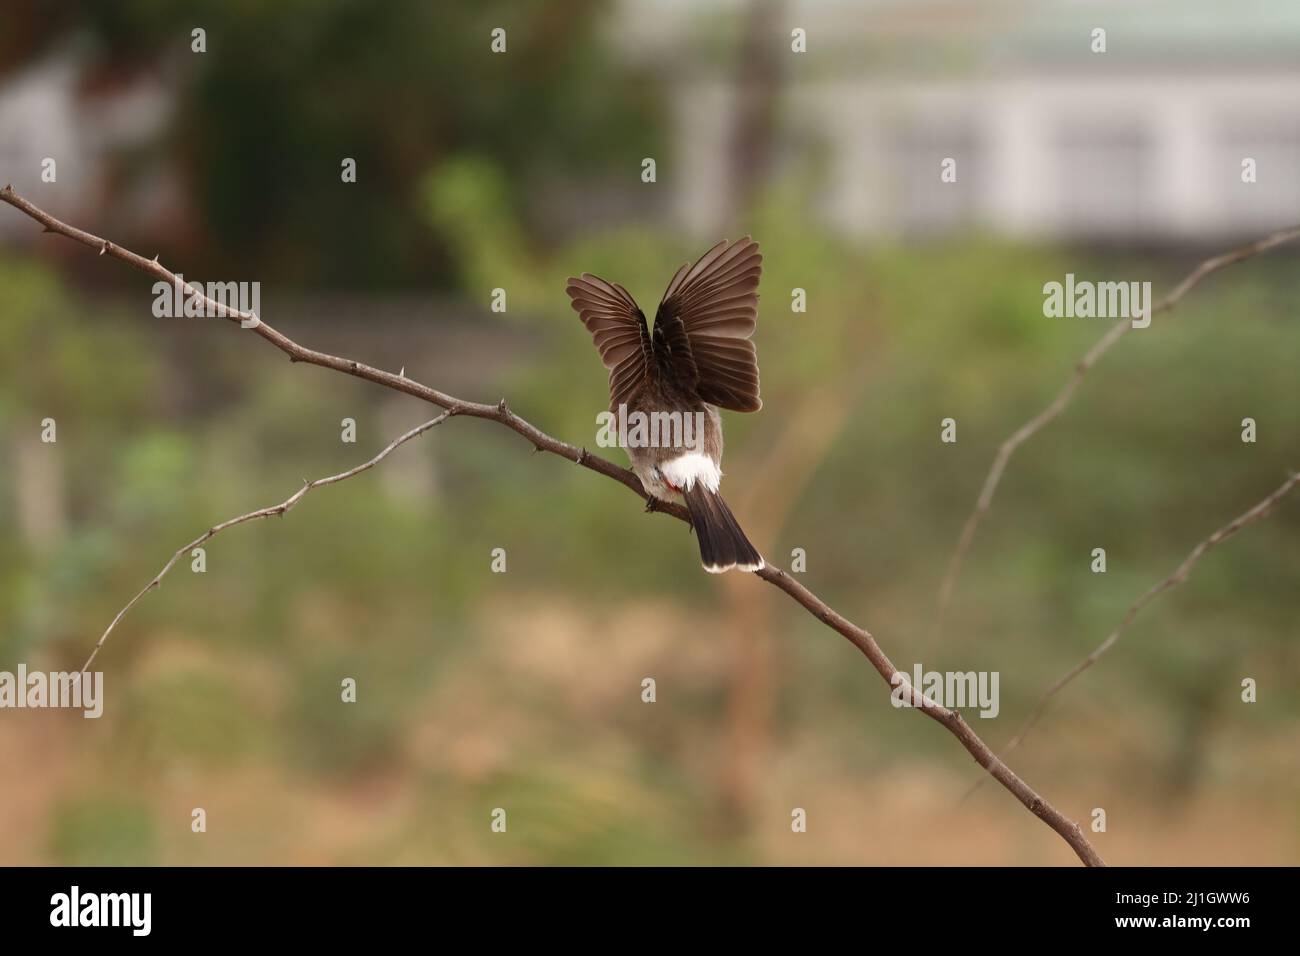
(698, 359)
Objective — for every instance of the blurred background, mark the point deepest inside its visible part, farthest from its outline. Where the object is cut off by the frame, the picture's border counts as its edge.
(478, 171)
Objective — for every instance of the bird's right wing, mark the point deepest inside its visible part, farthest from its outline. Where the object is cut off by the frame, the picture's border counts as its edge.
(704, 323)
(618, 327)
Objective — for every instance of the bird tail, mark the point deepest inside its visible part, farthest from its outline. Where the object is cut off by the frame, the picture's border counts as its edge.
(723, 545)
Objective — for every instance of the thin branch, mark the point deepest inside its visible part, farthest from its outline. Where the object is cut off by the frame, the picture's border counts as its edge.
(273, 511)
(952, 720)
(1179, 575)
(1057, 405)
(860, 638)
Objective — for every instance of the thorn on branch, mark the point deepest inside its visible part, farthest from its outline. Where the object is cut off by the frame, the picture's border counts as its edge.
(582, 456)
(501, 407)
(105, 247)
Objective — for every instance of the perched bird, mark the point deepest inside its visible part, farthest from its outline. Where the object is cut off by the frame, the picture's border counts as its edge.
(698, 359)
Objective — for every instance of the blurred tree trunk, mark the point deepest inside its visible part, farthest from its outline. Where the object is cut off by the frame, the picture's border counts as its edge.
(758, 86)
(1200, 710)
(752, 689)
(776, 483)
(39, 499)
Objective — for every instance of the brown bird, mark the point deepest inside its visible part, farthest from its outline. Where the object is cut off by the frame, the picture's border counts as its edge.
(698, 360)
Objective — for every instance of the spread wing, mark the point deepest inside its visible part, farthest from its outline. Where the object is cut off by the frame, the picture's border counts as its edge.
(617, 326)
(704, 323)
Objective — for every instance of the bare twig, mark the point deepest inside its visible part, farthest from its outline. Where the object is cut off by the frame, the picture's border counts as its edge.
(1179, 575)
(860, 638)
(274, 510)
(1057, 405)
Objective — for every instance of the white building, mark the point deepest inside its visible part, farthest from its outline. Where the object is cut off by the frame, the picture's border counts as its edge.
(1146, 141)
(47, 113)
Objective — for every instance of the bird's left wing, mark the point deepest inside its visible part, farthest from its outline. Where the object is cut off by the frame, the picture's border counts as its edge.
(618, 327)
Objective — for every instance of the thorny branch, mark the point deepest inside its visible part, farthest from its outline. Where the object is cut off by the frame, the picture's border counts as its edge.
(271, 512)
(1068, 829)
(1179, 575)
(1057, 405)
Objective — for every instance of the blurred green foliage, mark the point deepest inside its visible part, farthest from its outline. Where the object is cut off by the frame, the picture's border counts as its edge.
(396, 591)
(478, 690)
(103, 829)
(287, 90)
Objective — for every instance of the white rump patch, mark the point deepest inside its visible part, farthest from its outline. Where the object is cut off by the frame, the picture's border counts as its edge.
(694, 466)
(717, 569)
